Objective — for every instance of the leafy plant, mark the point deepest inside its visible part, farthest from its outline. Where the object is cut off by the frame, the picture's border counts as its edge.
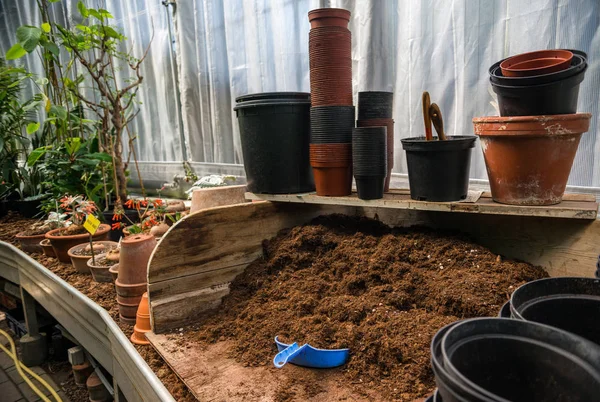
(76, 208)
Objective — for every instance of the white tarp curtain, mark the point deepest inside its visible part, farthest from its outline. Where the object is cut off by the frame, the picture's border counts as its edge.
(227, 48)
(157, 125)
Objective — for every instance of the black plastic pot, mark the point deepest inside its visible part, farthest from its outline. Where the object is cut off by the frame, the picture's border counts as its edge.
(116, 234)
(369, 187)
(331, 124)
(578, 63)
(500, 359)
(557, 97)
(438, 170)
(572, 304)
(375, 105)
(275, 134)
(25, 208)
(505, 310)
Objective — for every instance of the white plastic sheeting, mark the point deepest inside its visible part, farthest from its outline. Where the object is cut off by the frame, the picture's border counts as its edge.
(227, 48)
(232, 47)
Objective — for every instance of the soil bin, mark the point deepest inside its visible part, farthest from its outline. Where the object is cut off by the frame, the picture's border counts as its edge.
(275, 134)
(340, 282)
(438, 170)
(529, 158)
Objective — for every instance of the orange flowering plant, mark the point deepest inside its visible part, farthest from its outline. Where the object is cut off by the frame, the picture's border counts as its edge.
(77, 207)
(150, 212)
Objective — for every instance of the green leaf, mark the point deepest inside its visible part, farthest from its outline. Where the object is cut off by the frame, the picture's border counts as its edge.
(72, 144)
(52, 48)
(32, 128)
(82, 9)
(53, 1)
(15, 52)
(36, 154)
(46, 27)
(29, 37)
(1, 144)
(105, 13)
(59, 111)
(95, 13)
(111, 33)
(102, 156)
(87, 162)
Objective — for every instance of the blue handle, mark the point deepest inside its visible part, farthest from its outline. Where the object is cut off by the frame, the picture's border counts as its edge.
(287, 354)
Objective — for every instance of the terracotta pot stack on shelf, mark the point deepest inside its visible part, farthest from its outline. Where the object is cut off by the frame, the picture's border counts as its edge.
(132, 276)
(332, 112)
(529, 149)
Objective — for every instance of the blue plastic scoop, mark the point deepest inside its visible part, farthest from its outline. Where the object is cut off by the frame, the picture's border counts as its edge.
(307, 356)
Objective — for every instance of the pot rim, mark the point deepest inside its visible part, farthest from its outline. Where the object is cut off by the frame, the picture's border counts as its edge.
(83, 245)
(543, 125)
(329, 13)
(103, 228)
(559, 56)
(137, 238)
(30, 237)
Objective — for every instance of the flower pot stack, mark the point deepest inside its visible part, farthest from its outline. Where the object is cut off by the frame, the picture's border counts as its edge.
(132, 278)
(529, 150)
(369, 161)
(375, 109)
(332, 112)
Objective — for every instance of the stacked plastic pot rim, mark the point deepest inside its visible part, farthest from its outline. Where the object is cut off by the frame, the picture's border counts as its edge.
(132, 279)
(529, 149)
(548, 346)
(332, 112)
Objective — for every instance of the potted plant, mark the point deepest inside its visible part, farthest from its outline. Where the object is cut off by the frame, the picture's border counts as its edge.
(31, 238)
(76, 208)
(99, 266)
(81, 253)
(155, 216)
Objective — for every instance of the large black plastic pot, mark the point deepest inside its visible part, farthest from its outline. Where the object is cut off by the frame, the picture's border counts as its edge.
(438, 170)
(116, 234)
(557, 97)
(25, 208)
(275, 134)
(572, 304)
(501, 360)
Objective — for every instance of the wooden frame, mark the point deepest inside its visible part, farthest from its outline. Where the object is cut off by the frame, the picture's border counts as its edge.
(192, 266)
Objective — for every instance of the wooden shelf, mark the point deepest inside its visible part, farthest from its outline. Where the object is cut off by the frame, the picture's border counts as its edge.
(574, 206)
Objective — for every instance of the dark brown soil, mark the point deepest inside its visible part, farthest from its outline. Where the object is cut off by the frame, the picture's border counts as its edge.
(104, 295)
(343, 282)
(72, 231)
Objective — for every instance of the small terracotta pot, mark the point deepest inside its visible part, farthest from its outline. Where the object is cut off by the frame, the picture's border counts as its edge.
(536, 63)
(128, 310)
(114, 271)
(129, 300)
(30, 244)
(133, 290)
(47, 248)
(99, 273)
(333, 181)
(127, 320)
(142, 324)
(80, 261)
(529, 158)
(134, 257)
(326, 17)
(62, 244)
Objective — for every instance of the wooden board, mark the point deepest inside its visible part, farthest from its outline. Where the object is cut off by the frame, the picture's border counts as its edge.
(194, 263)
(574, 206)
(212, 376)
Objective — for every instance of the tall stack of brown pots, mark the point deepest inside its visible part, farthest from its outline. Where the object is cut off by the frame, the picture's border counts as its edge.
(375, 109)
(332, 112)
(132, 279)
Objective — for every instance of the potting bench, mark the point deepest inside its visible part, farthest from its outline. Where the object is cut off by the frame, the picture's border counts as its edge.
(194, 263)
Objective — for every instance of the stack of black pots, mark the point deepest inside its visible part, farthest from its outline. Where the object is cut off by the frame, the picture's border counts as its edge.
(369, 161)
(546, 94)
(375, 109)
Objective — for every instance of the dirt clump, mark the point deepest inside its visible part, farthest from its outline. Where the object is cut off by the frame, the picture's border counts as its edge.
(345, 282)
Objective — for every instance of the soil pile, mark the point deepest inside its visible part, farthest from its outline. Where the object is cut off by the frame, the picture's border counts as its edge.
(343, 282)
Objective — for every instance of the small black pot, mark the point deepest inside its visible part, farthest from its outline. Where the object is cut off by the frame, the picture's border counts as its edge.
(557, 97)
(375, 105)
(438, 170)
(369, 151)
(370, 187)
(115, 234)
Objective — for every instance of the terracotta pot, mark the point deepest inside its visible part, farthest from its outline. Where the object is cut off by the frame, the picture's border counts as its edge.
(333, 181)
(62, 244)
(30, 244)
(114, 271)
(47, 248)
(326, 17)
(130, 299)
(133, 290)
(127, 320)
(331, 153)
(99, 273)
(128, 310)
(134, 257)
(142, 324)
(529, 158)
(536, 63)
(80, 261)
(216, 197)
(389, 123)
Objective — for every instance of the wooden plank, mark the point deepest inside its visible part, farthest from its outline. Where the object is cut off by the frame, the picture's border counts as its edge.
(580, 206)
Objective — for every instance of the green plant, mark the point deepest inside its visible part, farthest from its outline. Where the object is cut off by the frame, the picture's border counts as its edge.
(76, 208)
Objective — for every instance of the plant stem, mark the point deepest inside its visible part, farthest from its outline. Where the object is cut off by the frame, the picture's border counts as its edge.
(92, 249)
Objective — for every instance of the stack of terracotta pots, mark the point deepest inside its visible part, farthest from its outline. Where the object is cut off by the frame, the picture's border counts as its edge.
(132, 278)
(332, 112)
(530, 148)
(375, 109)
